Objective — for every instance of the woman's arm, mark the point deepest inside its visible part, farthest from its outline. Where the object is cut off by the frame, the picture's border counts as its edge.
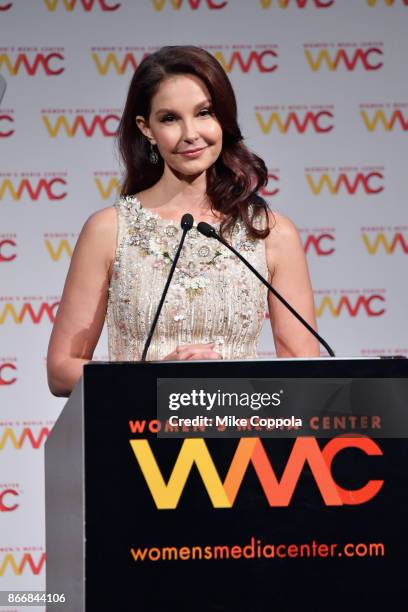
(81, 313)
(289, 275)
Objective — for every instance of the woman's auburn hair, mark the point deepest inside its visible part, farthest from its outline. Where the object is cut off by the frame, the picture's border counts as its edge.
(236, 176)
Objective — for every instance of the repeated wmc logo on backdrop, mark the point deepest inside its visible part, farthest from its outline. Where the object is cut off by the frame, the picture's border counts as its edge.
(262, 58)
(350, 57)
(385, 240)
(33, 185)
(32, 310)
(82, 122)
(8, 247)
(107, 183)
(386, 117)
(320, 4)
(86, 5)
(31, 61)
(8, 371)
(319, 241)
(59, 244)
(6, 123)
(347, 180)
(352, 303)
(213, 5)
(299, 118)
(20, 562)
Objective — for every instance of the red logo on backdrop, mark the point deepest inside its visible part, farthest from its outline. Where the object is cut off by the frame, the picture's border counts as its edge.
(31, 60)
(87, 5)
(320, 241)
(27, 309)
(33, 185)
(347, 179)
(86, 122)
(6, 123)
(246, 58)
(9, 494)
(385, 117)
(8, 246)
(349, 56)
(8, 371)
(295, 118)
(301, 4)
(159, 5)
(271, 189)
(5, 6)
(353, 303)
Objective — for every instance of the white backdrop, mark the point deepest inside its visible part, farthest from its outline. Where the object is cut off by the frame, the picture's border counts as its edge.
(323, 98)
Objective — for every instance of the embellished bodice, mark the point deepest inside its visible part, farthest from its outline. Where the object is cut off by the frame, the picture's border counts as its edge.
(212, 296)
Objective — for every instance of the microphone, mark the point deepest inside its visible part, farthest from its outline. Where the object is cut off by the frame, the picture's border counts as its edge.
(207, 230)
(187, 222)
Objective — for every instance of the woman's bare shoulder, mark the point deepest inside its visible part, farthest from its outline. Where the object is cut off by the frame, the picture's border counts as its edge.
(282, 229)
(98, 235)
(104, 220)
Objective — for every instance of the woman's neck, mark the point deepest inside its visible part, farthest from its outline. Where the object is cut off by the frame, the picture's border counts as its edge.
(173, 195)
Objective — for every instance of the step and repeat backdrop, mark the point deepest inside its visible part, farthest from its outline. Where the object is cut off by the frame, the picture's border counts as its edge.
(323, 98)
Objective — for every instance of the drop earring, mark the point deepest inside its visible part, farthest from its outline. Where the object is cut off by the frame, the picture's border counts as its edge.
(153, 156)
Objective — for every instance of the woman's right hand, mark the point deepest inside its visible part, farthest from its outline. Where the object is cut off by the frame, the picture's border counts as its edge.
(187, 352)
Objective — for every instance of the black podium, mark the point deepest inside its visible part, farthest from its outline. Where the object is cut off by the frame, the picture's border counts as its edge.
(135, 522)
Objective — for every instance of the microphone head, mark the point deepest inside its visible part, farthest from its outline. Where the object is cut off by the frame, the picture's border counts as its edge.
(206, 229)
(187, 222)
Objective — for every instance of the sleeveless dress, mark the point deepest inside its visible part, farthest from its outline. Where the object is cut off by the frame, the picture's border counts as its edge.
(212, 296)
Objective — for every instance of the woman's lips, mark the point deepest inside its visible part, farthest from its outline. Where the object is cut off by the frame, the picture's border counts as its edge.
(192, 152)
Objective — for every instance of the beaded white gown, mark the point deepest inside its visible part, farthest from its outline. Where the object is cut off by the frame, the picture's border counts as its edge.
(212, 297)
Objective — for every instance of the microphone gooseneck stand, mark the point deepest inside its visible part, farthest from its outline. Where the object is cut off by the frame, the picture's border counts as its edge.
(207, 230)
(187, 222)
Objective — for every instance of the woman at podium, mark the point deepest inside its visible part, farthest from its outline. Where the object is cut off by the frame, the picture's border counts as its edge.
(182, 152)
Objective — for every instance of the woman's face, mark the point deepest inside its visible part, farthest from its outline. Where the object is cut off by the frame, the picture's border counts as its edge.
(183, 126)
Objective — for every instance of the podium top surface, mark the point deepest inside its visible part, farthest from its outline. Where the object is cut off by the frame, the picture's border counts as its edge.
(359, 367)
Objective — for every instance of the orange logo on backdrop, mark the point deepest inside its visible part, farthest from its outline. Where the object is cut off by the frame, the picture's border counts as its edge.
(369, 182)
(26, 437)
(301, 4)
(104, 123)
(31, 63)
(369, 58)
(261, 59)
(320, 121)
(379, 241)
(386, 117)
(87, 5)
(352, 305)
(33, 189)
(25, 562)
(176, 5)
(194, 452)
(386, 2)
(19, 313)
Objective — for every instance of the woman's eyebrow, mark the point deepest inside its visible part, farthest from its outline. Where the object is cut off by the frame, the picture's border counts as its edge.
(205, 102)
